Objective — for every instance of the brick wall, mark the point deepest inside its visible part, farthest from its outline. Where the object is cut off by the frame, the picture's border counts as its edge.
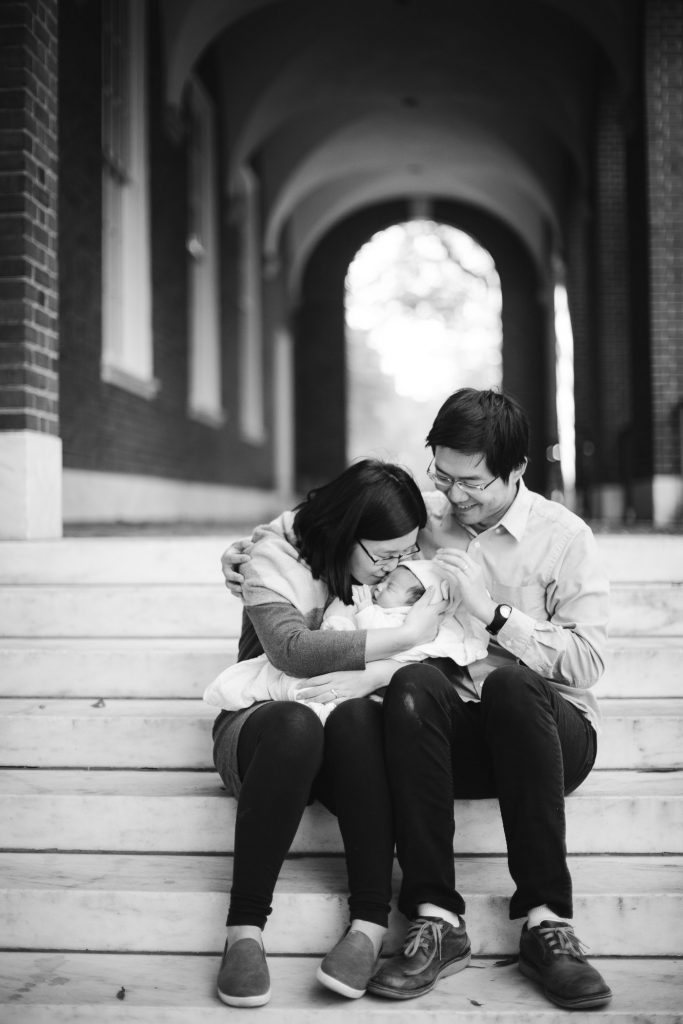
(105, 427)
(28, 217)
(664, 133)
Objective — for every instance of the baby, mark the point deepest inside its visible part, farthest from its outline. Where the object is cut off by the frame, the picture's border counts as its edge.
(386, 604)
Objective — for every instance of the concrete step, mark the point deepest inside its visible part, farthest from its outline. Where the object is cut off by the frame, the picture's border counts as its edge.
(139, 560)
(125, 610)
(81, 988)
(182, 667)
(150, 559)
(53, 733)
(172, 667)
(129, 811)
(626, 906)
(207, 610)
(646, 609)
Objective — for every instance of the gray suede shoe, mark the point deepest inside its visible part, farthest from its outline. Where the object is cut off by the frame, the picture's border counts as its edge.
(243, 978)
(349, 966)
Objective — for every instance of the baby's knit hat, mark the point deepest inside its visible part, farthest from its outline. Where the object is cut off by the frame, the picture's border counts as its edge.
(430, 574)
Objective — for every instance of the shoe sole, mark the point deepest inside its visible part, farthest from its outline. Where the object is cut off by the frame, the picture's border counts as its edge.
(454, 967)
(259, 1000)
(335, 985)
(581, 1003)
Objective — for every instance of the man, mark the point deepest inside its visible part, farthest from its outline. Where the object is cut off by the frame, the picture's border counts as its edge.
(520, 725)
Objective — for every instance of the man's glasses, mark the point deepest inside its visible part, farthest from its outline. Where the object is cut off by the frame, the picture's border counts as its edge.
(445, 482)
(386, 559)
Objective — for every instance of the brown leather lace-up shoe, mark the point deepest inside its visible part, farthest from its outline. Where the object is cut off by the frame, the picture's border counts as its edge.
(552, 955)
(433, 949)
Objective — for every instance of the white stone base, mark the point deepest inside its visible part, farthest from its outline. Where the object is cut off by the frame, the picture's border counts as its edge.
(30, 486)
(667, 500)
(95, 497)
(610, 502)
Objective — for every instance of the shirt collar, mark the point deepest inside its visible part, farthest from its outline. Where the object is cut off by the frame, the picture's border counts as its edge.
(517, 516)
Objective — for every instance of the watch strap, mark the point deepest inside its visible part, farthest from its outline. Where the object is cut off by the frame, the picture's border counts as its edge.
(499, 619)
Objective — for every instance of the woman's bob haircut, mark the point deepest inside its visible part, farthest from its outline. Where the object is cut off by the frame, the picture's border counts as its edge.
(371, 500)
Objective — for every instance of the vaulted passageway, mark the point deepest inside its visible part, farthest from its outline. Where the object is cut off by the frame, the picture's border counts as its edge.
(202, 174)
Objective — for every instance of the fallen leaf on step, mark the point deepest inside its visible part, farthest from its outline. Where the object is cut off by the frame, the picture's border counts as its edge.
(121, 994)
(475, 1003)
(506, 962)
(99, 703)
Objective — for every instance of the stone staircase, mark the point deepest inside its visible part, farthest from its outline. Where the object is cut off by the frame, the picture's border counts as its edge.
(115, 836)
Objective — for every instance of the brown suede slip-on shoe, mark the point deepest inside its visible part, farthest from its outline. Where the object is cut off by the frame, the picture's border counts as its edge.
(243, 978)
(348, 967)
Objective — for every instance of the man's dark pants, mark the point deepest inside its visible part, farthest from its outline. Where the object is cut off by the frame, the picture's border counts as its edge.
(523, 743)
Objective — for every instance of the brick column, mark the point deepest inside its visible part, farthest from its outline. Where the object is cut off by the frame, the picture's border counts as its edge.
(30, 448)
(611, 241)
(663, 61)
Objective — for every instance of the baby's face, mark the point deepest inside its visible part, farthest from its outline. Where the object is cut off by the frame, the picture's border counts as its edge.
(394, 589)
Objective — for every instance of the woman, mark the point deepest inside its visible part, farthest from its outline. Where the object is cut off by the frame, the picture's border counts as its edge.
(277, 756)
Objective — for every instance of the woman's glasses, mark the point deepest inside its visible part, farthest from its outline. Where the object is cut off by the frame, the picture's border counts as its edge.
(386, 559)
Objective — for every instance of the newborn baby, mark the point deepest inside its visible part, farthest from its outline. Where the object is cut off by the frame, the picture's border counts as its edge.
(461, 638)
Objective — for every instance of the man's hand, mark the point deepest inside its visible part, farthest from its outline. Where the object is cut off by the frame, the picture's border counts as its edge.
(470, 580)
(236, 554)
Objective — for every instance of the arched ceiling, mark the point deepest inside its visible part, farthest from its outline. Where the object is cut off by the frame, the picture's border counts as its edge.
(341, 104)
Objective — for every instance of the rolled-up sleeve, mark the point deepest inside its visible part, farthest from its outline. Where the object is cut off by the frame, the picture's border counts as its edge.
(569, 645)
(299, 647)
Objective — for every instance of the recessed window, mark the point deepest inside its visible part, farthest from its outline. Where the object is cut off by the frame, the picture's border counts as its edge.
(127, 354)
(205, 402)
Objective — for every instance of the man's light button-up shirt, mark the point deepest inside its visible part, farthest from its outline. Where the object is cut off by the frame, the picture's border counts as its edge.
(543, 561)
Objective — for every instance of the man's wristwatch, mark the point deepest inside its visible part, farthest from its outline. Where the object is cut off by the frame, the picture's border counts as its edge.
(501, 615)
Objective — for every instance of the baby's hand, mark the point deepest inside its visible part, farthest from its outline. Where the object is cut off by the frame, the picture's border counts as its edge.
(362, 597)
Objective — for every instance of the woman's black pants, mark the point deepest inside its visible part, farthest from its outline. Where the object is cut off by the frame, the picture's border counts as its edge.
(523, 743)
(286, 758)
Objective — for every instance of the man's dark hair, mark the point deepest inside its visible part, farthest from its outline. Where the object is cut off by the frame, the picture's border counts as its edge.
(473, 421)
(371, 500)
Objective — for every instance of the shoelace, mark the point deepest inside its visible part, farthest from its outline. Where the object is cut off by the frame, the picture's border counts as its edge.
(562, 939)
(419, 935)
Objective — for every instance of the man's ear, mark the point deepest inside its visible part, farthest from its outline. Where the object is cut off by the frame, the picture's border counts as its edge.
(519, 471)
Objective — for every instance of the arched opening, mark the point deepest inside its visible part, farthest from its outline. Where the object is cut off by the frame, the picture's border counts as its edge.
(318, 323)
(423, 318)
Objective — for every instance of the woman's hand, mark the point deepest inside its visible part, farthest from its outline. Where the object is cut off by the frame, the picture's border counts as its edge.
(334, 687)
(236, 554)
(470, 581)
(424, 618)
